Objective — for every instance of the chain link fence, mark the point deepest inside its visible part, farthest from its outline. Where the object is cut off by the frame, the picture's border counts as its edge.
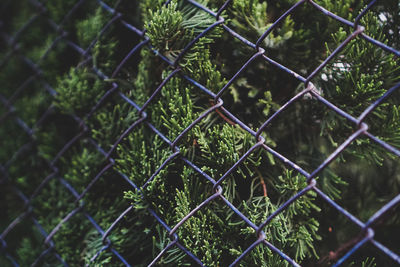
(27, 196)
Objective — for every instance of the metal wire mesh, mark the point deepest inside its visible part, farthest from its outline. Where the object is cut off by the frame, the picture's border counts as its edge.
(12, 46)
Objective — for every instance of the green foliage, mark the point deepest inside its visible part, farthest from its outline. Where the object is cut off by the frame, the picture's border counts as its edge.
(199, 231)
(172, 28)
(306, 133)
(179, 112)
(147, 77)
(150, 152)
(94, 244)
(88, 29)
(101, 46)
(78, 91)
(26, 252)
(57, 8)
(252, 19)
(82, 167)
(165, 27)
(359, 77)
(33, 106)
(108, 124)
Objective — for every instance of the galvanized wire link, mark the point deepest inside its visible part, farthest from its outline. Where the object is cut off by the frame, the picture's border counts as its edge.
(8, 102)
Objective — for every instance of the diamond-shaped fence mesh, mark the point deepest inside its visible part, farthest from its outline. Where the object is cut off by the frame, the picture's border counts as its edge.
(48, 217)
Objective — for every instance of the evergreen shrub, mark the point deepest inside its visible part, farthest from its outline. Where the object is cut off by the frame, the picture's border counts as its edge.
(102, 154)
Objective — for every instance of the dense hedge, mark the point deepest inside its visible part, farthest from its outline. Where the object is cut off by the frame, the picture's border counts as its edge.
(361, 180)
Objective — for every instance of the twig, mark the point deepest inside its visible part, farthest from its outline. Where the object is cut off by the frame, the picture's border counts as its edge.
(264, 186)
(223, 116)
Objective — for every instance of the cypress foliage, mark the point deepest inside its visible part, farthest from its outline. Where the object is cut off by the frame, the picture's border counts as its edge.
(362, 179)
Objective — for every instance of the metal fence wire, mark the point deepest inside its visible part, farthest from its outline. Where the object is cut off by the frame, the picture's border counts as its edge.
(28, 197)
